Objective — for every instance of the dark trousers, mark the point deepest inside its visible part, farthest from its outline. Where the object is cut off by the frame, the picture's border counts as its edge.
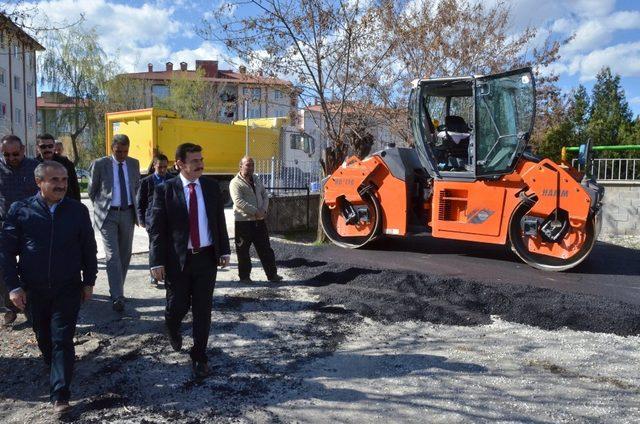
(54, 314)
(246, 233)
(4, 295)
(193, 288)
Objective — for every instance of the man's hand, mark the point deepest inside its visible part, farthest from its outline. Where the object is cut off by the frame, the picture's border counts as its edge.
(19, 298)
(87, 292)
(260, 214)
(224, 261)
(158, 273)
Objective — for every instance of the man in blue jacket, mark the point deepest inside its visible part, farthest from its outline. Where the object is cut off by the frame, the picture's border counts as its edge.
(57, 268)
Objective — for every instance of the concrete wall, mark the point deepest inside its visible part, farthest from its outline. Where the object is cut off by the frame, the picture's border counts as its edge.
(621, 208)
(289, 213)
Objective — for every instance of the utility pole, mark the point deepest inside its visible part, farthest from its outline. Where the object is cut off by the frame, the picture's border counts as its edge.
(246, 133)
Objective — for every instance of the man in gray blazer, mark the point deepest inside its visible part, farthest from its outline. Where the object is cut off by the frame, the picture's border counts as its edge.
(112, 189)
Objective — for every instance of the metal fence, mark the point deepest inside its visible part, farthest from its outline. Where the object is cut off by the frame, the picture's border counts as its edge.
(613, 169)
(289, 177)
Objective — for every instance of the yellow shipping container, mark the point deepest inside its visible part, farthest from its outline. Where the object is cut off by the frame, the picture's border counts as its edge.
(161, 131)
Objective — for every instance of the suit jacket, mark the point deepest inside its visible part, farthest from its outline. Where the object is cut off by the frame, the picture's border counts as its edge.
(145, 197)
(101, 186)
(169, 224)
(73, 187)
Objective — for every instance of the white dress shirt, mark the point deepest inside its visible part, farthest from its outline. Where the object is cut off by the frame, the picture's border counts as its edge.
(115, 194)
(203, 222)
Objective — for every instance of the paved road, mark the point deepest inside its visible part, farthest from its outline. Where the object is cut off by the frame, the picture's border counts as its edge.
(610, 271)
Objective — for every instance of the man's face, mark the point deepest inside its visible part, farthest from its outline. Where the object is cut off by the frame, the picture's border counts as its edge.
(53, 185)
(120, 152)
(13, 154)
(160, 166)
(246, 167)
(59, 149)
(46, 148)
(192, 167)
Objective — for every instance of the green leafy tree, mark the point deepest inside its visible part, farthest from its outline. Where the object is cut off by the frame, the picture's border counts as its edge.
(570, 127)
(76, 66)
(193, 97)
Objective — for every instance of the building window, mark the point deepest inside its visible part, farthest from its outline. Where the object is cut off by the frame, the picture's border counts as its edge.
(254, 112)
(17, 82)
(30, 89)
(30, 119)
(159, 91)
(16, 52)
(3, 110)
(253, 92)
(2, 41)
(3, 80)
(18, 116)
(278, 94)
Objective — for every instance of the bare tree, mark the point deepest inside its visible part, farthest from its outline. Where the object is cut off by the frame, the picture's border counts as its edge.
(452, 38)
(319, 44)
(29, 17)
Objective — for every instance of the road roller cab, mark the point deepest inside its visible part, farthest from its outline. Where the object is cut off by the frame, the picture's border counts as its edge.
(469, 177)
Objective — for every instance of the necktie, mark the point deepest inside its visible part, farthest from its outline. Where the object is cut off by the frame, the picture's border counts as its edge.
(194, 231)
(124, 201)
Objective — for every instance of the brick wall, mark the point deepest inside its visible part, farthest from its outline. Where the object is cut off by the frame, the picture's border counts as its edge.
(621, 208)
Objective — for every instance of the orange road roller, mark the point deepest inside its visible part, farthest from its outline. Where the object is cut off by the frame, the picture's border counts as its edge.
(469, 177)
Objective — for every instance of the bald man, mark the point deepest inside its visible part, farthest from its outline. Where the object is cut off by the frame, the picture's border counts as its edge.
(250, 204)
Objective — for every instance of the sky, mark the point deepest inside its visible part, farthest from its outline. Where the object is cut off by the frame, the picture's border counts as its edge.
(137, 32)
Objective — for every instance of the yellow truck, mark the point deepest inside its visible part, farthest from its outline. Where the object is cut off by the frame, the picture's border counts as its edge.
(155, 130)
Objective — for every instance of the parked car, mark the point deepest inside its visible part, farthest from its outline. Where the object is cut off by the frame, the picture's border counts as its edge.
(82, 174)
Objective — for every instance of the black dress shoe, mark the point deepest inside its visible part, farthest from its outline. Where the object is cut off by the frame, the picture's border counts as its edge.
(200, 369)
(175, 339)
(246, 281)
(275, 279)
(118, 305)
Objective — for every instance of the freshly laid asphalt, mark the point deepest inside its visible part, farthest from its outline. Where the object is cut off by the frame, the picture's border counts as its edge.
(611, 272)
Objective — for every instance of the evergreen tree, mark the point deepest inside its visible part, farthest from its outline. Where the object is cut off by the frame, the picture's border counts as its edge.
(579, 114)
(610, 116)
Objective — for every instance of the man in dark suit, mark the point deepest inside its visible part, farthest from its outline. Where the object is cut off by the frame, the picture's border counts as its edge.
(187, 240)
(146, 190)
(53, 238)
(46, 144)
(147, 184)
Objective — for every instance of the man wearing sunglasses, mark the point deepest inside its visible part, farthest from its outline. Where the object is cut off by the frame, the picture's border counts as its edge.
(17, 182)
(46, 151)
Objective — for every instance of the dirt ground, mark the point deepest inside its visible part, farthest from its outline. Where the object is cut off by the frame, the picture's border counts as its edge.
(343, 344)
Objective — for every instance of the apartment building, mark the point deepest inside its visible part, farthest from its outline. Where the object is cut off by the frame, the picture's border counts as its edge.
(265, 96)
(18, 83)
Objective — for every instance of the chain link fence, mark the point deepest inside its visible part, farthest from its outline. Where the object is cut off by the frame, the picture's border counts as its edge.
(286, 178)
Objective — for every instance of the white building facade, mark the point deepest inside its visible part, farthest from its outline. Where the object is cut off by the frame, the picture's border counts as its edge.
(18, 83)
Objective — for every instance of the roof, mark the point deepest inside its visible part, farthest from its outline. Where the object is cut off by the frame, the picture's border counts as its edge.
(9, 25)
(43, 103)
(223, 76)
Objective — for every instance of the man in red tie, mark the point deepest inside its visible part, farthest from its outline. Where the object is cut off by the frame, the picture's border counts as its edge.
(188, 239)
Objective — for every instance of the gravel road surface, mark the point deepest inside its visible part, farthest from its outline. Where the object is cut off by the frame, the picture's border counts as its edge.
(348, 341)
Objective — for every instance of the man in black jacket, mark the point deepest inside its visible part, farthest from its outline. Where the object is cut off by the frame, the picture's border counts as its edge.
(146, 190)
(46, 145)
(147, 184)
(188, 238)
(54, 239)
